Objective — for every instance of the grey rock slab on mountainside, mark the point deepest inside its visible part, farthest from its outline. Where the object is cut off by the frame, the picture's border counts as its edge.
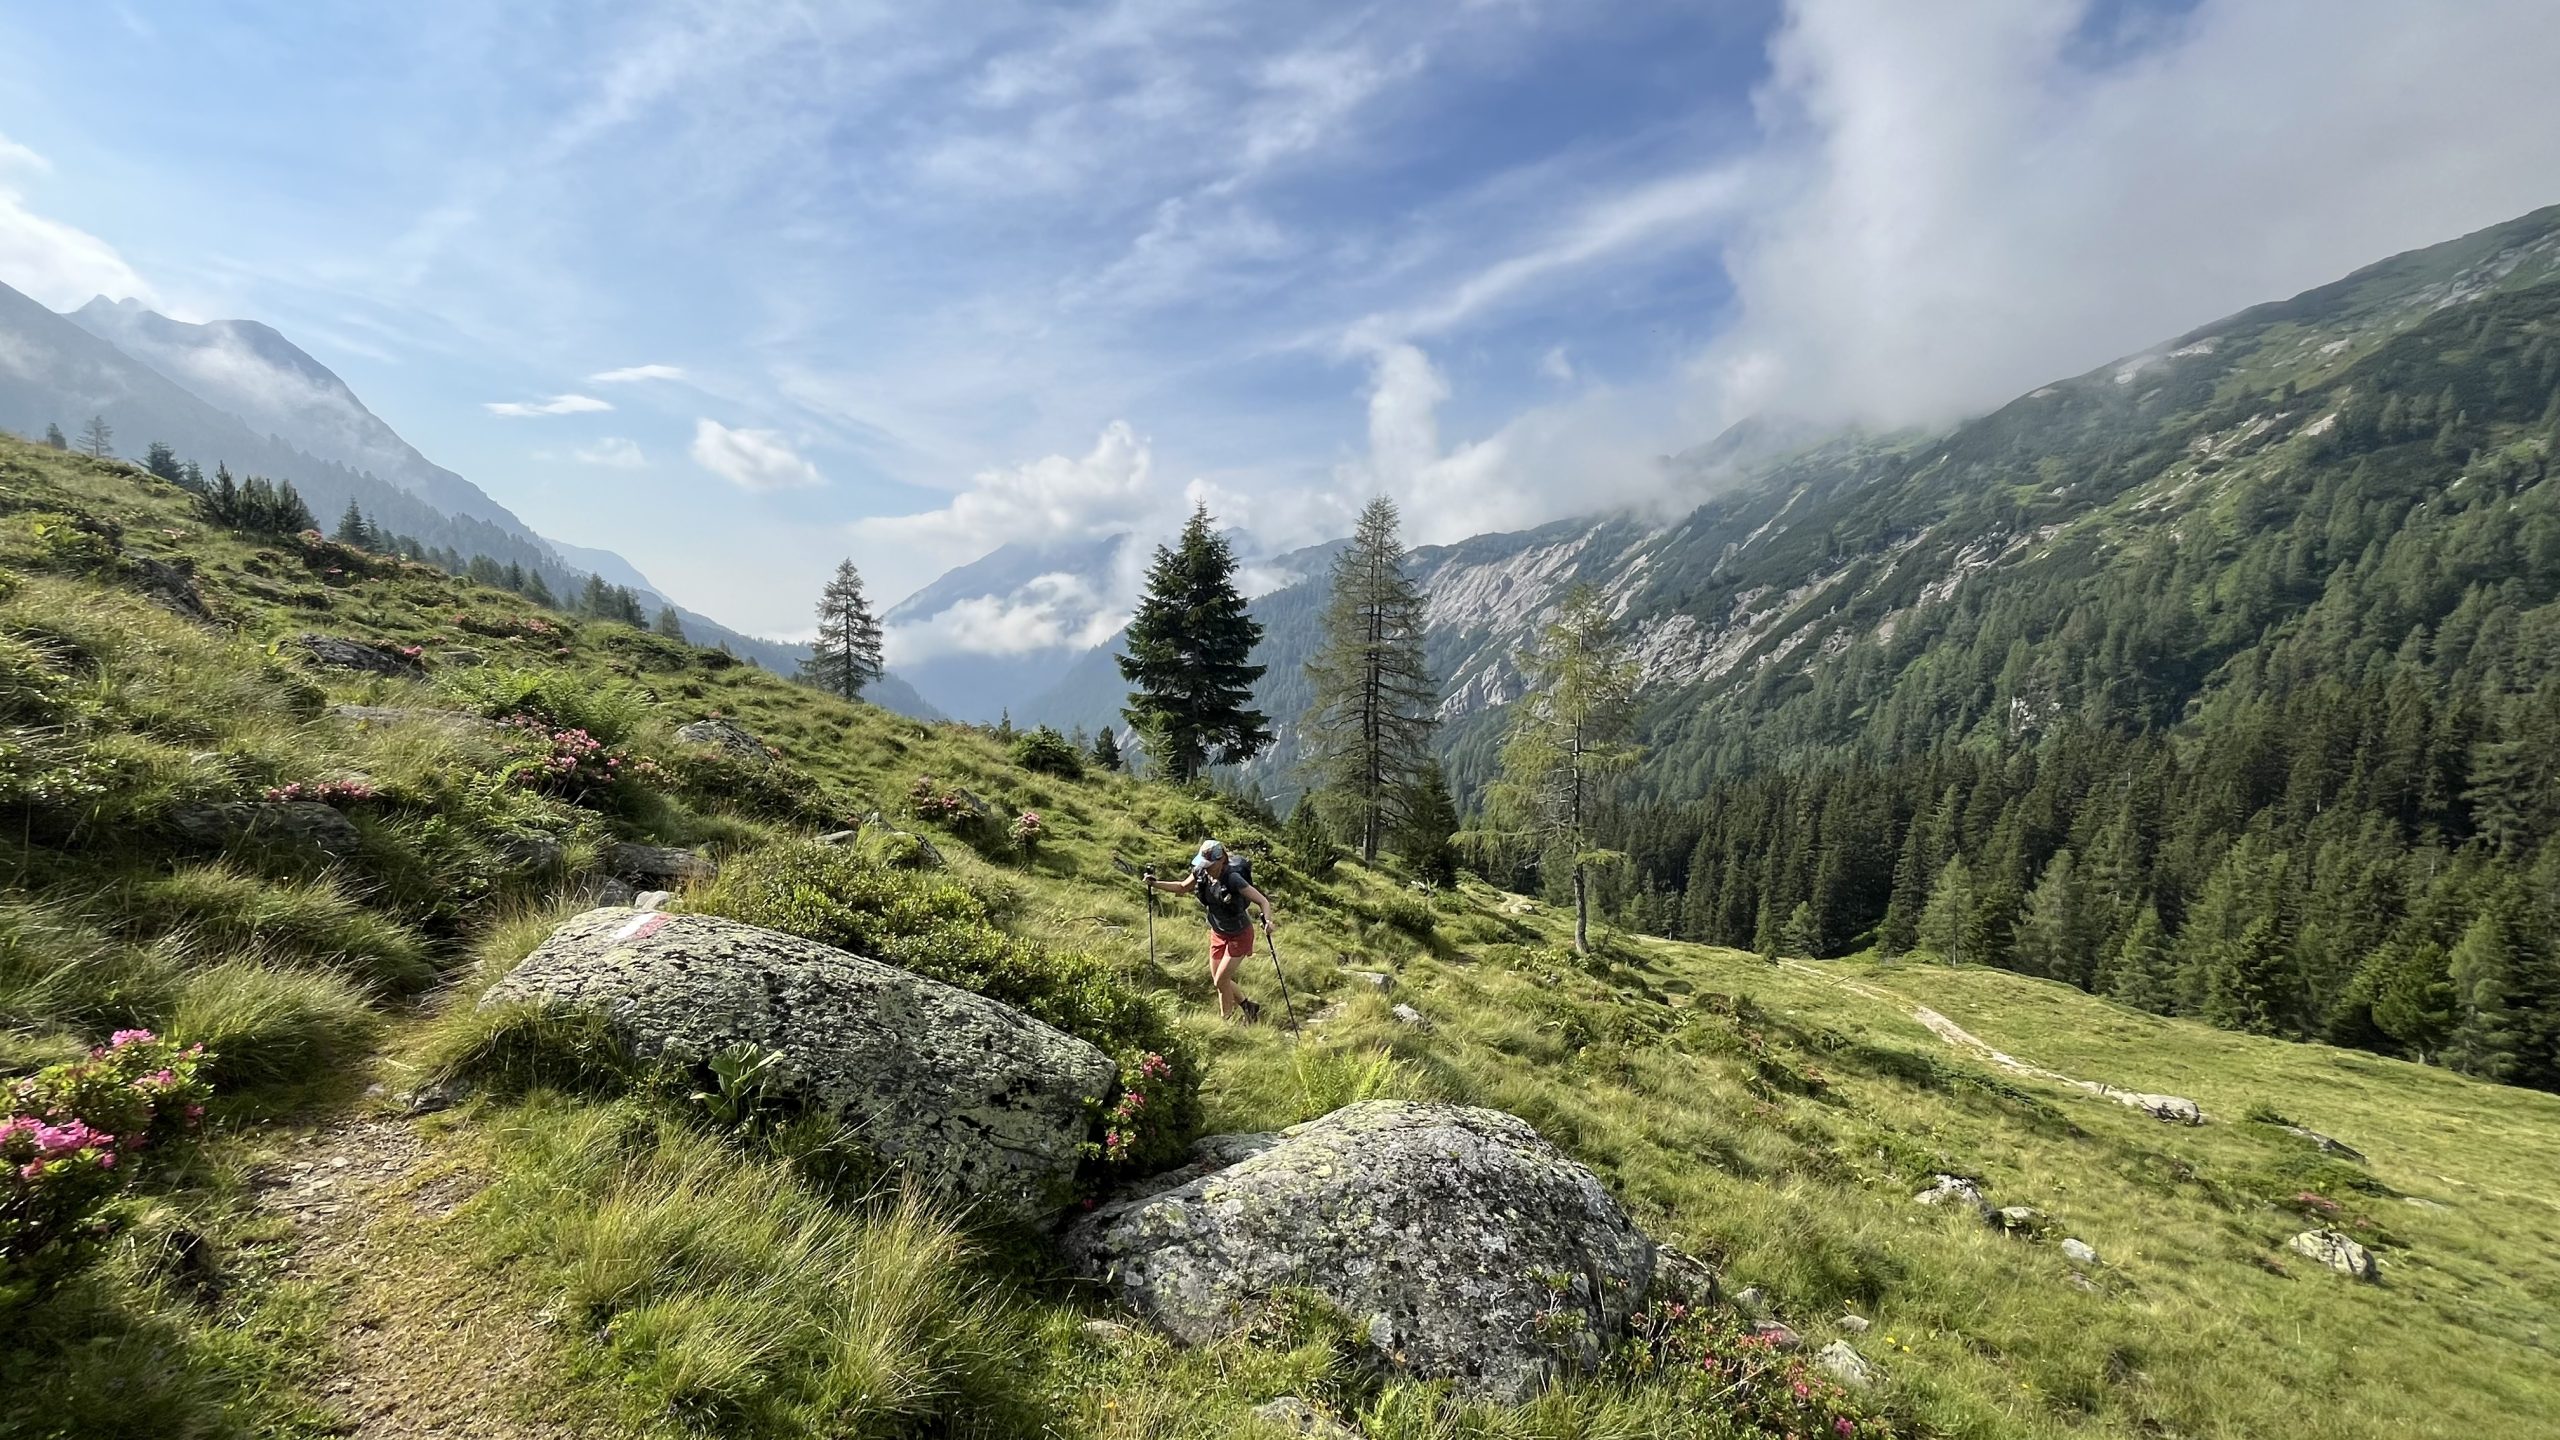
(2336, 1251)
(2325, 1144)
(1844, 1364)
(652, 864)
(976, 1100)
(1466, 1246)
(170, 588)
(339, 653)
(293, 823)
(2079, 1252)
(730, 738)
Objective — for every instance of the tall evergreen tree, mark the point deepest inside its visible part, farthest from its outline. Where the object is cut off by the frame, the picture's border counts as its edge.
(2489, 1037)
(54, 437)
(291, 516)
(2413, 1000)
(846, 655)
(351, 528)
(1568, 736)
(538, 590)
(1368, 731)
(1106, 749)
(2140, 973)
(1189, 656)
(670, 624)
(98, 438)
(1427, 829)
(1951, 924)
(226, 494)
(162, 461)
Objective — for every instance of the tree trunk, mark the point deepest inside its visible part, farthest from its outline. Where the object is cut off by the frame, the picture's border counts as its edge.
(1581, 910)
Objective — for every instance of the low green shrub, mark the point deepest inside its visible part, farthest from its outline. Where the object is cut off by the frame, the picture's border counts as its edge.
(316, 923)
(1046, 752)
(936, 928)
(267, 1024)
(611, 712)
(775, 789)
(1411, 914)
(72, 544)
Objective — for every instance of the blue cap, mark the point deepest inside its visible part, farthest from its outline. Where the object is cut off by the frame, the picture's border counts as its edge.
(1211, 852)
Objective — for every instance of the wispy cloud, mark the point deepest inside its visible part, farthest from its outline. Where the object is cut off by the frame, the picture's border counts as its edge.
(629, 373)
(61, 265)
(556, 405)
(757, 460)
(613, 452)
(14, 156)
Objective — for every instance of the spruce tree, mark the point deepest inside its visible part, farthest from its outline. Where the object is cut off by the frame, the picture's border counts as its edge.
(54, 437)
(1426, 833)
(292, 517)
(846, 655)
(1190, 653)
(1106, 749)
(2247, 982)
(98, 438)
(193, 478)
(162, 461)
(670, 624)
(1568, 736)
(2413, 999)
(538, 590)
(2141, 975)
(1368, 731)
(351, 526)
(226, 495)
(2489, 1033)
(1951, 923)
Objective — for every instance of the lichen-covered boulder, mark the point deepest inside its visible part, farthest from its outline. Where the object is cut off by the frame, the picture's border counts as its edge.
(659, 867)
(291, 824)
(975, 1099)
(339, 653)
(1467, 1246)
(2335, 1250)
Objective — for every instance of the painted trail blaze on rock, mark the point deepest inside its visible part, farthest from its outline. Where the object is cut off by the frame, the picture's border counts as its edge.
(1467, 1246)
(978, 1100)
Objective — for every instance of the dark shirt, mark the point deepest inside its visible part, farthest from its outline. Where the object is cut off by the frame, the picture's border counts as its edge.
(1223, 897)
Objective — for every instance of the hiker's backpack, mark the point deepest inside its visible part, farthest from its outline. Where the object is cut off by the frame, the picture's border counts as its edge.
(1223, 897)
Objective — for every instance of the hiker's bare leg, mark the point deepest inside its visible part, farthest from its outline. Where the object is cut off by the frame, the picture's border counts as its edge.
(1222, 973)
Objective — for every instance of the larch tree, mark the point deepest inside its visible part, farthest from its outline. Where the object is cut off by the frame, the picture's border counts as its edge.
(1368, 732)
(846, 655)
(1568, 736)
(1190, 659)
(98, 438)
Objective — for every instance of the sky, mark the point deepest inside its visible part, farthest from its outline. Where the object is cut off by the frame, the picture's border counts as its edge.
(742, 290)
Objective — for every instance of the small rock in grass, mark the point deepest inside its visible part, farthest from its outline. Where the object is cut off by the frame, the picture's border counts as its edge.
(1375, 979)
(2019, 1219)
(1104, 1332)
(1751, 1300)
(2336, 1251)
(1299, 1417)
(1846, 1366)
(1954, 1189)
(2079, 1252)
(640, 864)
(1682, 1277)
(1410, 1018)
(730, 738)
(1853, 1323)
(1779, 1334)
(2080, 1282)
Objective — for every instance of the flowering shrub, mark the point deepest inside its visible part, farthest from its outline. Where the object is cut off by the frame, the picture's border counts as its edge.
(327, 792)
(1028, 832)
(1744, 1373)
(1129, 1128)
(568, 762)
(67, 1137)
(932, 800)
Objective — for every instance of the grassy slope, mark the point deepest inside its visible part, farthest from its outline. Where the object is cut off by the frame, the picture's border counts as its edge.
(1771, 1120)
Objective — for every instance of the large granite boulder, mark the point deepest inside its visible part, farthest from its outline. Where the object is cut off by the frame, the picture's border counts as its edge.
(975, 1099)
(292, 824)
(1468, 1247)
(729, 738)
(339, 653)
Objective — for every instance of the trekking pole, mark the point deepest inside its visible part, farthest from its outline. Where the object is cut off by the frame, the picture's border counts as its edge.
(1286, 1004)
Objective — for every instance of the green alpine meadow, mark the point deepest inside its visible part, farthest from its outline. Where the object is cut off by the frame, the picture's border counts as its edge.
(1175, 720)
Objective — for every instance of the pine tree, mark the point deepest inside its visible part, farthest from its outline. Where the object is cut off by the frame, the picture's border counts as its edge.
(1106, 749)
(1951, 923)
(2140, 975)
(54, 437)
(2489, 1034)
(670, 624)
(97, 440)
(538, 590)
(1567, 737)
(193, 478)
(162, 461)
(292, 517)
(1189, 656)
(1368, 732)
(226, 495)
(351, 526)
(846, 655)
(1426, 832)
(2413, 999)
(2247, 981)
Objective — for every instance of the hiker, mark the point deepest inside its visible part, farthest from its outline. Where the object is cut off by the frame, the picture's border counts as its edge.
(1224, 886)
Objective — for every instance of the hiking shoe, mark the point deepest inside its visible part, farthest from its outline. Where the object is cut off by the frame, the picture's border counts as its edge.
(1251, 1012)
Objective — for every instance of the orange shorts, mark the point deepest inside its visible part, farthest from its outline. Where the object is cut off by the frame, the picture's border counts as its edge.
(1223, 946)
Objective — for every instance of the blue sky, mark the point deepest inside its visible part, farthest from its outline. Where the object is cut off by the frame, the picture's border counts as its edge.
(739, 289)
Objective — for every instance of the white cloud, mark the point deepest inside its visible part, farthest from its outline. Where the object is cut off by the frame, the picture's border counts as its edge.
(59, 265)
(14, 156)
(630, 373)
(751, 459)
(612, 452)
(1050, 612)
(1556, 365)
(1979, 206)
(1106, 489)
(556, 405)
